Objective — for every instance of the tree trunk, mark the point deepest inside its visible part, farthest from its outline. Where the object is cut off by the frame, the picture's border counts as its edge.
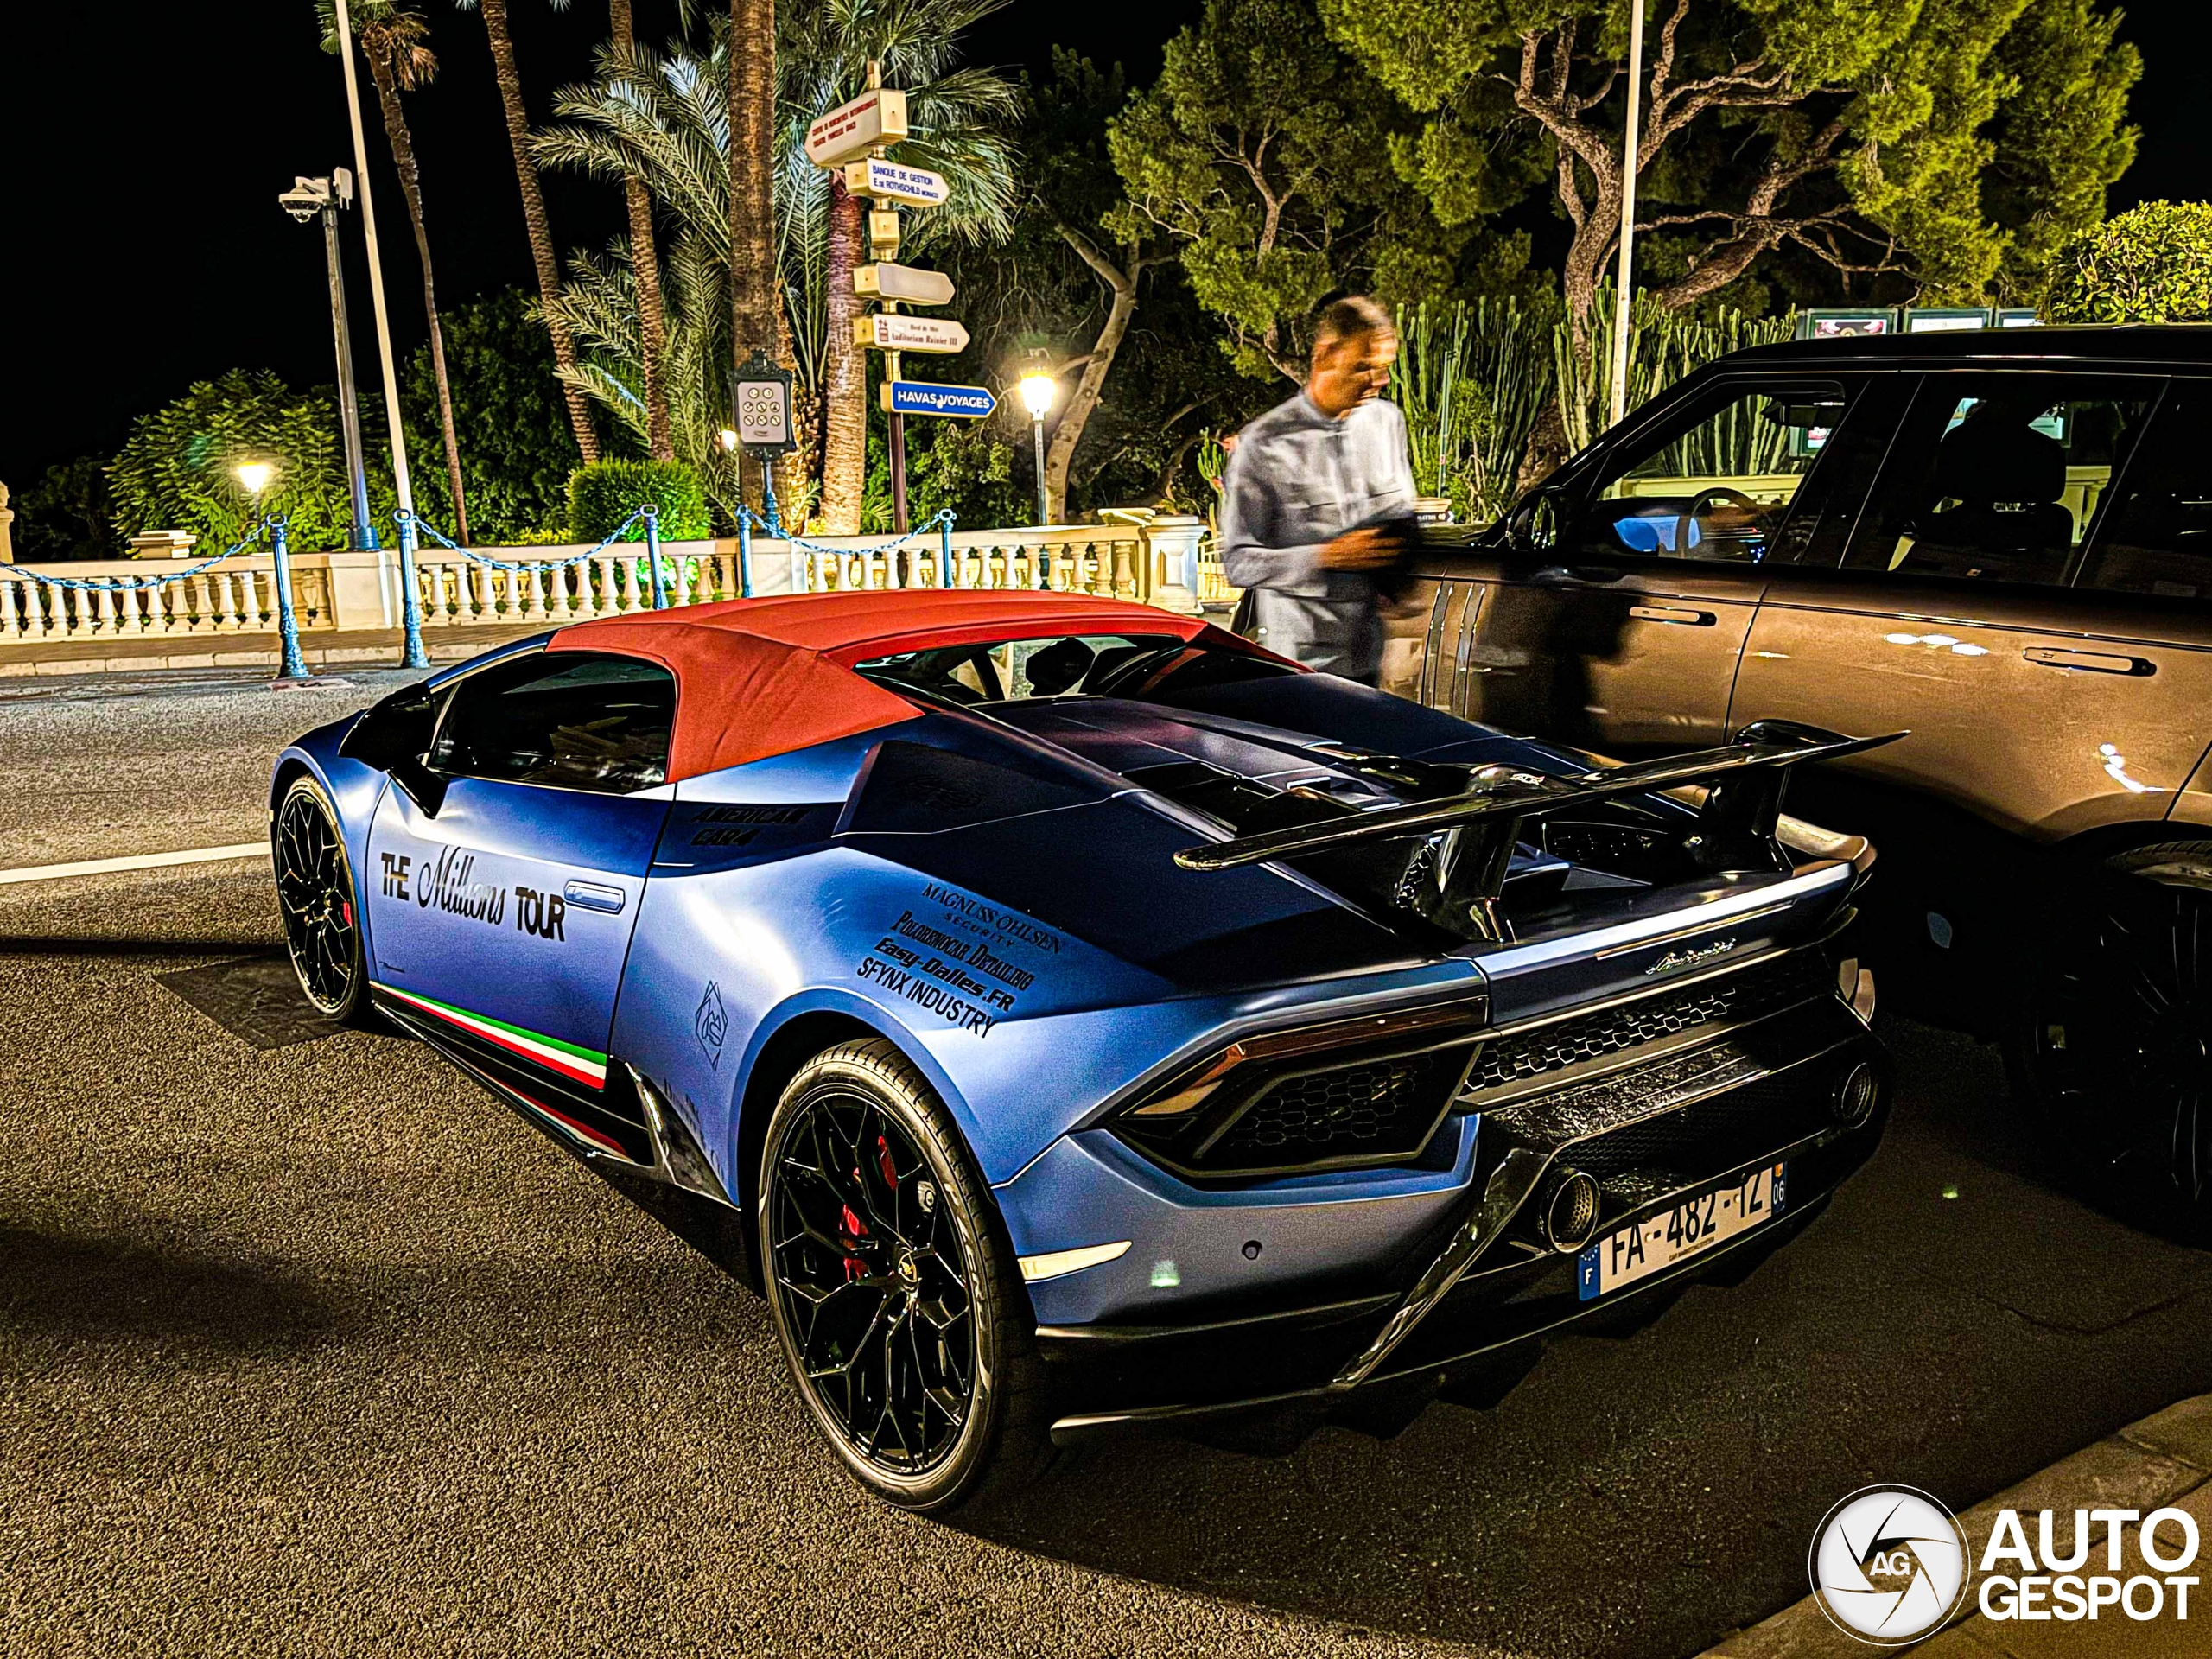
(644, 261)
(533, 217)
(753, 313)
(1122, 286)
(844, 369)
(410, 186)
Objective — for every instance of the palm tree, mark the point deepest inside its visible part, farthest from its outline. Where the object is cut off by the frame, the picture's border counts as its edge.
(667, 121)
(392, 40)
(958, 117)
(644, 263)
(754, 317)
(533, 210)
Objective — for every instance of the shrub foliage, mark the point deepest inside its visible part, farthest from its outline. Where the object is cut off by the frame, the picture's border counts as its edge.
(2152, 263)
(603, 494)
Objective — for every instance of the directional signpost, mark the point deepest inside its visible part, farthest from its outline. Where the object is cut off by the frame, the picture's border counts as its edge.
(882, 181)
(885, 281)
(928, 397)
(851, 139)
(876, 118)
(887, 332)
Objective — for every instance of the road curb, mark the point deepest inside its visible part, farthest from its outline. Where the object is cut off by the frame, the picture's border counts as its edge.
(2145, 1467)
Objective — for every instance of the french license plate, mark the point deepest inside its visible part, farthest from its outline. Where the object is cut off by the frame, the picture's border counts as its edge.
(1691, 1228)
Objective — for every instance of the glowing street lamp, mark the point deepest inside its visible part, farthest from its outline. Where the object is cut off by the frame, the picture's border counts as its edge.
(254, 475)
(1038, 390)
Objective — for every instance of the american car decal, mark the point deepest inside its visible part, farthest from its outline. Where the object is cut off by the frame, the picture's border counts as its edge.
(586, 1065)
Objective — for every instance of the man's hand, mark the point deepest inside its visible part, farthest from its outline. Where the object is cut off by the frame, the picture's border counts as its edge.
(1359, 549)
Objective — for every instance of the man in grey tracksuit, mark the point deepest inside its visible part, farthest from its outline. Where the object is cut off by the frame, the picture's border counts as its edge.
(1301, 480)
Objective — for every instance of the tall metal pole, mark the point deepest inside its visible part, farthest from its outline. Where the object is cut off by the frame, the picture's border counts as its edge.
(413, 657)
(1043, 499)
(1622, 291)
(349, 411)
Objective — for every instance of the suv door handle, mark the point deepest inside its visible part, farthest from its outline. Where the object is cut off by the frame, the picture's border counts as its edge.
(1668, 613)
(2091, 662)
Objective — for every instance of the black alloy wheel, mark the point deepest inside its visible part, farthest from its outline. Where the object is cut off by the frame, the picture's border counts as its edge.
(315, 889)
(892, 1290)
(2115, 1052)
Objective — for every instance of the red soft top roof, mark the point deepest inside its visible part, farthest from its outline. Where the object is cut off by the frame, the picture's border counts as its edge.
(757, 678)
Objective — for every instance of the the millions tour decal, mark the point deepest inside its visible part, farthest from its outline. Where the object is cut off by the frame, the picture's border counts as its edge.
(586, 1065)
(448, 885)
(960, 960)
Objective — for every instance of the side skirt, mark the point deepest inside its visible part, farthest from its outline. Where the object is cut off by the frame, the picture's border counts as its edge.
(654, 1165)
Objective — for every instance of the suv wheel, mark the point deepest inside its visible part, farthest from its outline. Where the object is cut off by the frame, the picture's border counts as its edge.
(2113, 1051)
(893, 1286)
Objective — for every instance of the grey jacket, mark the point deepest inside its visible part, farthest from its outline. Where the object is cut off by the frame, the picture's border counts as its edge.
(1297, 479)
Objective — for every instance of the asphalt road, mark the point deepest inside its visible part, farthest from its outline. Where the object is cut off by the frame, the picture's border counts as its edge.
(315, 1349)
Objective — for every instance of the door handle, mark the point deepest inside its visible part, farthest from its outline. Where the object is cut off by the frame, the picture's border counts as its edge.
(1599, 573)
(591, 895)
(1670, 613)
(2090, 662)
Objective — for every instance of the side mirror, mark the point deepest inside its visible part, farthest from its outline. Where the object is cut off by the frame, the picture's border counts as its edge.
(398, 728)
(1533, 526)
(414, 779)
(393, 736)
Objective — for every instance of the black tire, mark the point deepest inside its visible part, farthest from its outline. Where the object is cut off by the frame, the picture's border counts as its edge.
(893, 1286)
(315, 894)
(2112, 1050)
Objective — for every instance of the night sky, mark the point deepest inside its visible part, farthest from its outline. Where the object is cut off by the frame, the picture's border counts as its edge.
(142, 147)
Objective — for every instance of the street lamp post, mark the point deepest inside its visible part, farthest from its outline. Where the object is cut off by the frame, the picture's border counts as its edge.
(1623, 295)
(411, 652)
(303, 201)
(255, 476)
(1037, 393)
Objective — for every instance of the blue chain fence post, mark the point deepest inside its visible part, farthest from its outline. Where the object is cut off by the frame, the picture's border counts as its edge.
(744, 554)
(287, 625)
(412, 654)
(652, 554)
(945, 550)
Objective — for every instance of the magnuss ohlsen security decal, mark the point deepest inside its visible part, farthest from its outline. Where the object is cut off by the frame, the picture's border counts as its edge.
(959, 959)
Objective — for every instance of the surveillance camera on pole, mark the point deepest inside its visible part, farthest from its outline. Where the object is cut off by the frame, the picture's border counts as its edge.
(303, 201)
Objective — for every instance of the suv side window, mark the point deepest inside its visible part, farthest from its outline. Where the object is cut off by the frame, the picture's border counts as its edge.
(2158, 535)
(1999, 475)
(1718, 480)
(568, 720)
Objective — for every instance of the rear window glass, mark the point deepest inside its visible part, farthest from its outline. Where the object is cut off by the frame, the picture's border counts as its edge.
(1139, 666)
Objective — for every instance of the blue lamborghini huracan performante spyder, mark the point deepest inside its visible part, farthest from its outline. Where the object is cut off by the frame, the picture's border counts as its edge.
(1077, 1021)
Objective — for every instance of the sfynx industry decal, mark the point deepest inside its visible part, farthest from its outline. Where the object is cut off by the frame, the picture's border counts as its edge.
(586, 1065)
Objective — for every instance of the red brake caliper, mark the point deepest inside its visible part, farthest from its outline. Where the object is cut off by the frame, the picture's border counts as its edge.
(854, 1267)
(883, 1162)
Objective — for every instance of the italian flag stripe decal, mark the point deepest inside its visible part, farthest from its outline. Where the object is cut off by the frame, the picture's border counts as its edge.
(586, 1065)
(583, 1132)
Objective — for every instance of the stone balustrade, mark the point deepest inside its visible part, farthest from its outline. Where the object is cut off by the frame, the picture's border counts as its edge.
(1156, 563)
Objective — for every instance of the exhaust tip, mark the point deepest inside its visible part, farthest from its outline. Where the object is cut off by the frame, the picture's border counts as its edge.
(1570, 1218)
(1855, 1095)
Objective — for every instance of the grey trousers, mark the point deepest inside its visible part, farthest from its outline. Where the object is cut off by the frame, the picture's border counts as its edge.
(1335, 635)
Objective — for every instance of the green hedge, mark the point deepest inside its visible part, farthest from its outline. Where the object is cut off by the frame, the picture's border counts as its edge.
(2152, 263)
(603, 494)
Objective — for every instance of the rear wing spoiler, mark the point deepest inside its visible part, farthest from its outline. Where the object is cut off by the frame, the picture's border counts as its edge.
(1461, 846)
